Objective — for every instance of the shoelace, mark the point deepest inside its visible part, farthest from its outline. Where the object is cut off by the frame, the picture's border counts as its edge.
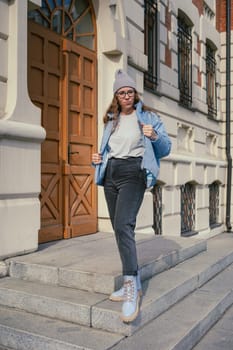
(129, 291)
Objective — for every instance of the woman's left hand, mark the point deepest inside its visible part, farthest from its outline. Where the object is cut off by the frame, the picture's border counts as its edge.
(148, 131)
(96, 158)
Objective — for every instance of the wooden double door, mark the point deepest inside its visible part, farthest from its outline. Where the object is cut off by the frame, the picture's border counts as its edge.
(62, 82)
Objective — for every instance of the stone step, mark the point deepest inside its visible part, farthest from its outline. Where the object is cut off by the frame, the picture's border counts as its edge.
(220, 335)
(58, 302)
(20, 330)
(183, 325)
(92, 263)
(95, 310)
(166, 289)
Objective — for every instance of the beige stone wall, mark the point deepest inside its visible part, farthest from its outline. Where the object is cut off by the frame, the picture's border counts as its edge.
(4, 34)
(20, 137)
(197, 152)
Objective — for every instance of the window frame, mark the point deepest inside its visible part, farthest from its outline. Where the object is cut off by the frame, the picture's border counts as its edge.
(214, 204)
(157, 209)
(184, 53)
(188, 209)
(151, 44)
(65, 20)
(211, 86)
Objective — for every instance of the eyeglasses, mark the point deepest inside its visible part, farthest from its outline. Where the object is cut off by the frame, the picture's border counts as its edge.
(122, 94)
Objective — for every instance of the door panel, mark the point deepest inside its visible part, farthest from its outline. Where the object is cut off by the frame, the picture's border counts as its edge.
(44, 86)
(62, 82)
(81, 136)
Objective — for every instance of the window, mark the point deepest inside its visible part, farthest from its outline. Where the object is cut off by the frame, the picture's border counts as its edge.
(213, 204)
(157, 209)
(73, 19)
(185, 62)
(151, 45)
(187, 209)
(211, 81)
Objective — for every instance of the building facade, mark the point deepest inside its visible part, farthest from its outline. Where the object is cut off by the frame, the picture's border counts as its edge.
(58, 60)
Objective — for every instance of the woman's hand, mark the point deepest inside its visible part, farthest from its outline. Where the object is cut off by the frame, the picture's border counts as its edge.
(96, 158)
(149, 132)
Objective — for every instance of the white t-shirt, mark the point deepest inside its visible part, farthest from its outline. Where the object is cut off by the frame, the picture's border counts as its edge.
(127, 139)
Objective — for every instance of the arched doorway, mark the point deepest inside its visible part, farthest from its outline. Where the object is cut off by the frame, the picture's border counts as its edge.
(62, 82)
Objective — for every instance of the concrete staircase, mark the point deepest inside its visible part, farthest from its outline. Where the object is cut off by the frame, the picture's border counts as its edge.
(57, 298)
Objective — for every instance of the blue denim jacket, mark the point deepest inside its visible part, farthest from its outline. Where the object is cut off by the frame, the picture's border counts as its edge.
(154, 150)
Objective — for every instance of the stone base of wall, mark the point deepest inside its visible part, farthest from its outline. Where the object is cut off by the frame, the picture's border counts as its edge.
(19, 226)
(20, 145)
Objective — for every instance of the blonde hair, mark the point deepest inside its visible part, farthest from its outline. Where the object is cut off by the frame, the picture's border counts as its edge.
(114, 108)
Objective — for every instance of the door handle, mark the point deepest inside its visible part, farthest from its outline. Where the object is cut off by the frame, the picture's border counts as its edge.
(71, 153)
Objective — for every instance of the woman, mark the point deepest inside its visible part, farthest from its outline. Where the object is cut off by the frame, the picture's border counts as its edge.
(134, 140)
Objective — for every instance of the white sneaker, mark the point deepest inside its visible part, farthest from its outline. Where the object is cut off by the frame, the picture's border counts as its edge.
(118, 295)
(130, 307)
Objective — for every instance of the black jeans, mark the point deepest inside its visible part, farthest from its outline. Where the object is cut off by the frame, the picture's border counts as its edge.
(124, 187)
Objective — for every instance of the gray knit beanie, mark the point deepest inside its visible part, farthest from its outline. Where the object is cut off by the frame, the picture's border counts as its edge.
(122, 79)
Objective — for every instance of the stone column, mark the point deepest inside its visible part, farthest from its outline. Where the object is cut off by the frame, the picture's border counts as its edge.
(21, 135)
